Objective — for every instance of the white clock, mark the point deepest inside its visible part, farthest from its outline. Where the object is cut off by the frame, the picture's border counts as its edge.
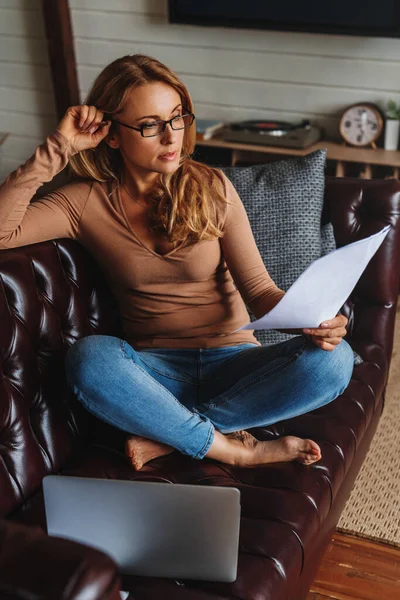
(361, 124)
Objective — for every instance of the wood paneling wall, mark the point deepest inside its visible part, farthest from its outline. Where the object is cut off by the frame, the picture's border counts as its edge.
(236, 74)
(27, 108)
(232, 74)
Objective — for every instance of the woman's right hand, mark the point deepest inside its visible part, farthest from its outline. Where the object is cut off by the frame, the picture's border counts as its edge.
(83, 126)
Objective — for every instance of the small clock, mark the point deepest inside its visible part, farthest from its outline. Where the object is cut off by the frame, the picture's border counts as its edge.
(361, 124)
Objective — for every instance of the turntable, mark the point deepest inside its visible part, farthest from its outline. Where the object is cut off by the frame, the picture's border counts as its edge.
(273, 133)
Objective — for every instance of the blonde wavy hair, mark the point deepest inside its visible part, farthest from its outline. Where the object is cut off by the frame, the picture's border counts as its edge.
(187, 204)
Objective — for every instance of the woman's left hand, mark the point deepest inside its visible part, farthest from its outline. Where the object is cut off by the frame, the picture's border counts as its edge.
(329, 334)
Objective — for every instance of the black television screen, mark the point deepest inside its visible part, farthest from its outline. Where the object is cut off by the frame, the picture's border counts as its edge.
(355, 17)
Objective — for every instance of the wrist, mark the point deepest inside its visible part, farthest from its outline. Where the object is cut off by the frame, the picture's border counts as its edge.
(65, 144)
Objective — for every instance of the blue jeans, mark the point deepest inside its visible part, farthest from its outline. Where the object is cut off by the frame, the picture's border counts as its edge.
(180, 396)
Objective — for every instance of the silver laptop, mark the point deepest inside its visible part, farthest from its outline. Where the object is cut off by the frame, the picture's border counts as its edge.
(149, 528)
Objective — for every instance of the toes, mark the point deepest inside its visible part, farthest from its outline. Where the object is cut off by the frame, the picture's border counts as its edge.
(310, 453)
(133, 455)
(315, 449)
(309, 459)
(302, 449)
(128, 450)
(131, 451)
(312, 449)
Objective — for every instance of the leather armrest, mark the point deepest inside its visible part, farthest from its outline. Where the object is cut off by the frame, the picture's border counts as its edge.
(357, 208)
(36, 566)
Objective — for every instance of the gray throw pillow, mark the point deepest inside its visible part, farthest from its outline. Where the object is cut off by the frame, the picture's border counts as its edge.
(284, 201)
(328, 242)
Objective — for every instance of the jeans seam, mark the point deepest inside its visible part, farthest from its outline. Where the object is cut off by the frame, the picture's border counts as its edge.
(98, 411)
(163, 388)
(164, 374)
(262, 377)
(122, 346)
(206, 446)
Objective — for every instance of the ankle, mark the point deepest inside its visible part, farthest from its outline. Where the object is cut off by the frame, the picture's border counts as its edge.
(229, 451)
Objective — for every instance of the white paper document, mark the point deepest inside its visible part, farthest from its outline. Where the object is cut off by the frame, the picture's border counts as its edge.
(323, 288)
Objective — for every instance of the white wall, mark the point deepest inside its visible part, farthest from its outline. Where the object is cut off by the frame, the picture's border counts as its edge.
(27, 108)
(236, 74)
(232, 74)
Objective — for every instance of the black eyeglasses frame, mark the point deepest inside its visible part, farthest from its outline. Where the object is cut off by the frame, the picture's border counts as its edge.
(165, 123)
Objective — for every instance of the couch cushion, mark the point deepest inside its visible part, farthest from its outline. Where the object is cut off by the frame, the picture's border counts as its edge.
(284, 202)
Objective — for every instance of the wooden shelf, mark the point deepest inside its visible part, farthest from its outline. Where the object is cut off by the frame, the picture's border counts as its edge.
(368, 158)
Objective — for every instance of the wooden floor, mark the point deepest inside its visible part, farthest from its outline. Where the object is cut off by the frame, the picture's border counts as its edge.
(357, 569)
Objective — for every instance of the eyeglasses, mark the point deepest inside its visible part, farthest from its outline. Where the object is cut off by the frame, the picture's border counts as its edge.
(158, 127)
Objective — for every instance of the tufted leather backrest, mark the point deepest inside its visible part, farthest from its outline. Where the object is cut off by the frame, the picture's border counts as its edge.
(358, 208)
(53, 293)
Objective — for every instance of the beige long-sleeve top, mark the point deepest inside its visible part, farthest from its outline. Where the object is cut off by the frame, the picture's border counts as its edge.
(191, 297)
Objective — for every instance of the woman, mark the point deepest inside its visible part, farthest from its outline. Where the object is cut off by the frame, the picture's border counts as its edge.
(176, 247)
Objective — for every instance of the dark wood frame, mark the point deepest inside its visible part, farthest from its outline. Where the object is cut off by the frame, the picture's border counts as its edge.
(60, 44)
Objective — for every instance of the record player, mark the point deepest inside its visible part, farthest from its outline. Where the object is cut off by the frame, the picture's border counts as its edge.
(273, 133)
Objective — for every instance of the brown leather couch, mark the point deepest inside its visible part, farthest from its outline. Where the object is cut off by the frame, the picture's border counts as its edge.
(51, 295)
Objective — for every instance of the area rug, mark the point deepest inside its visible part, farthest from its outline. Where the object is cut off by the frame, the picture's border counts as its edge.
(373, 509)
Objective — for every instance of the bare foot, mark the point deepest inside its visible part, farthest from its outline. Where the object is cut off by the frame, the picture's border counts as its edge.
(245, 450)
(141, 450)
(240, 448)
